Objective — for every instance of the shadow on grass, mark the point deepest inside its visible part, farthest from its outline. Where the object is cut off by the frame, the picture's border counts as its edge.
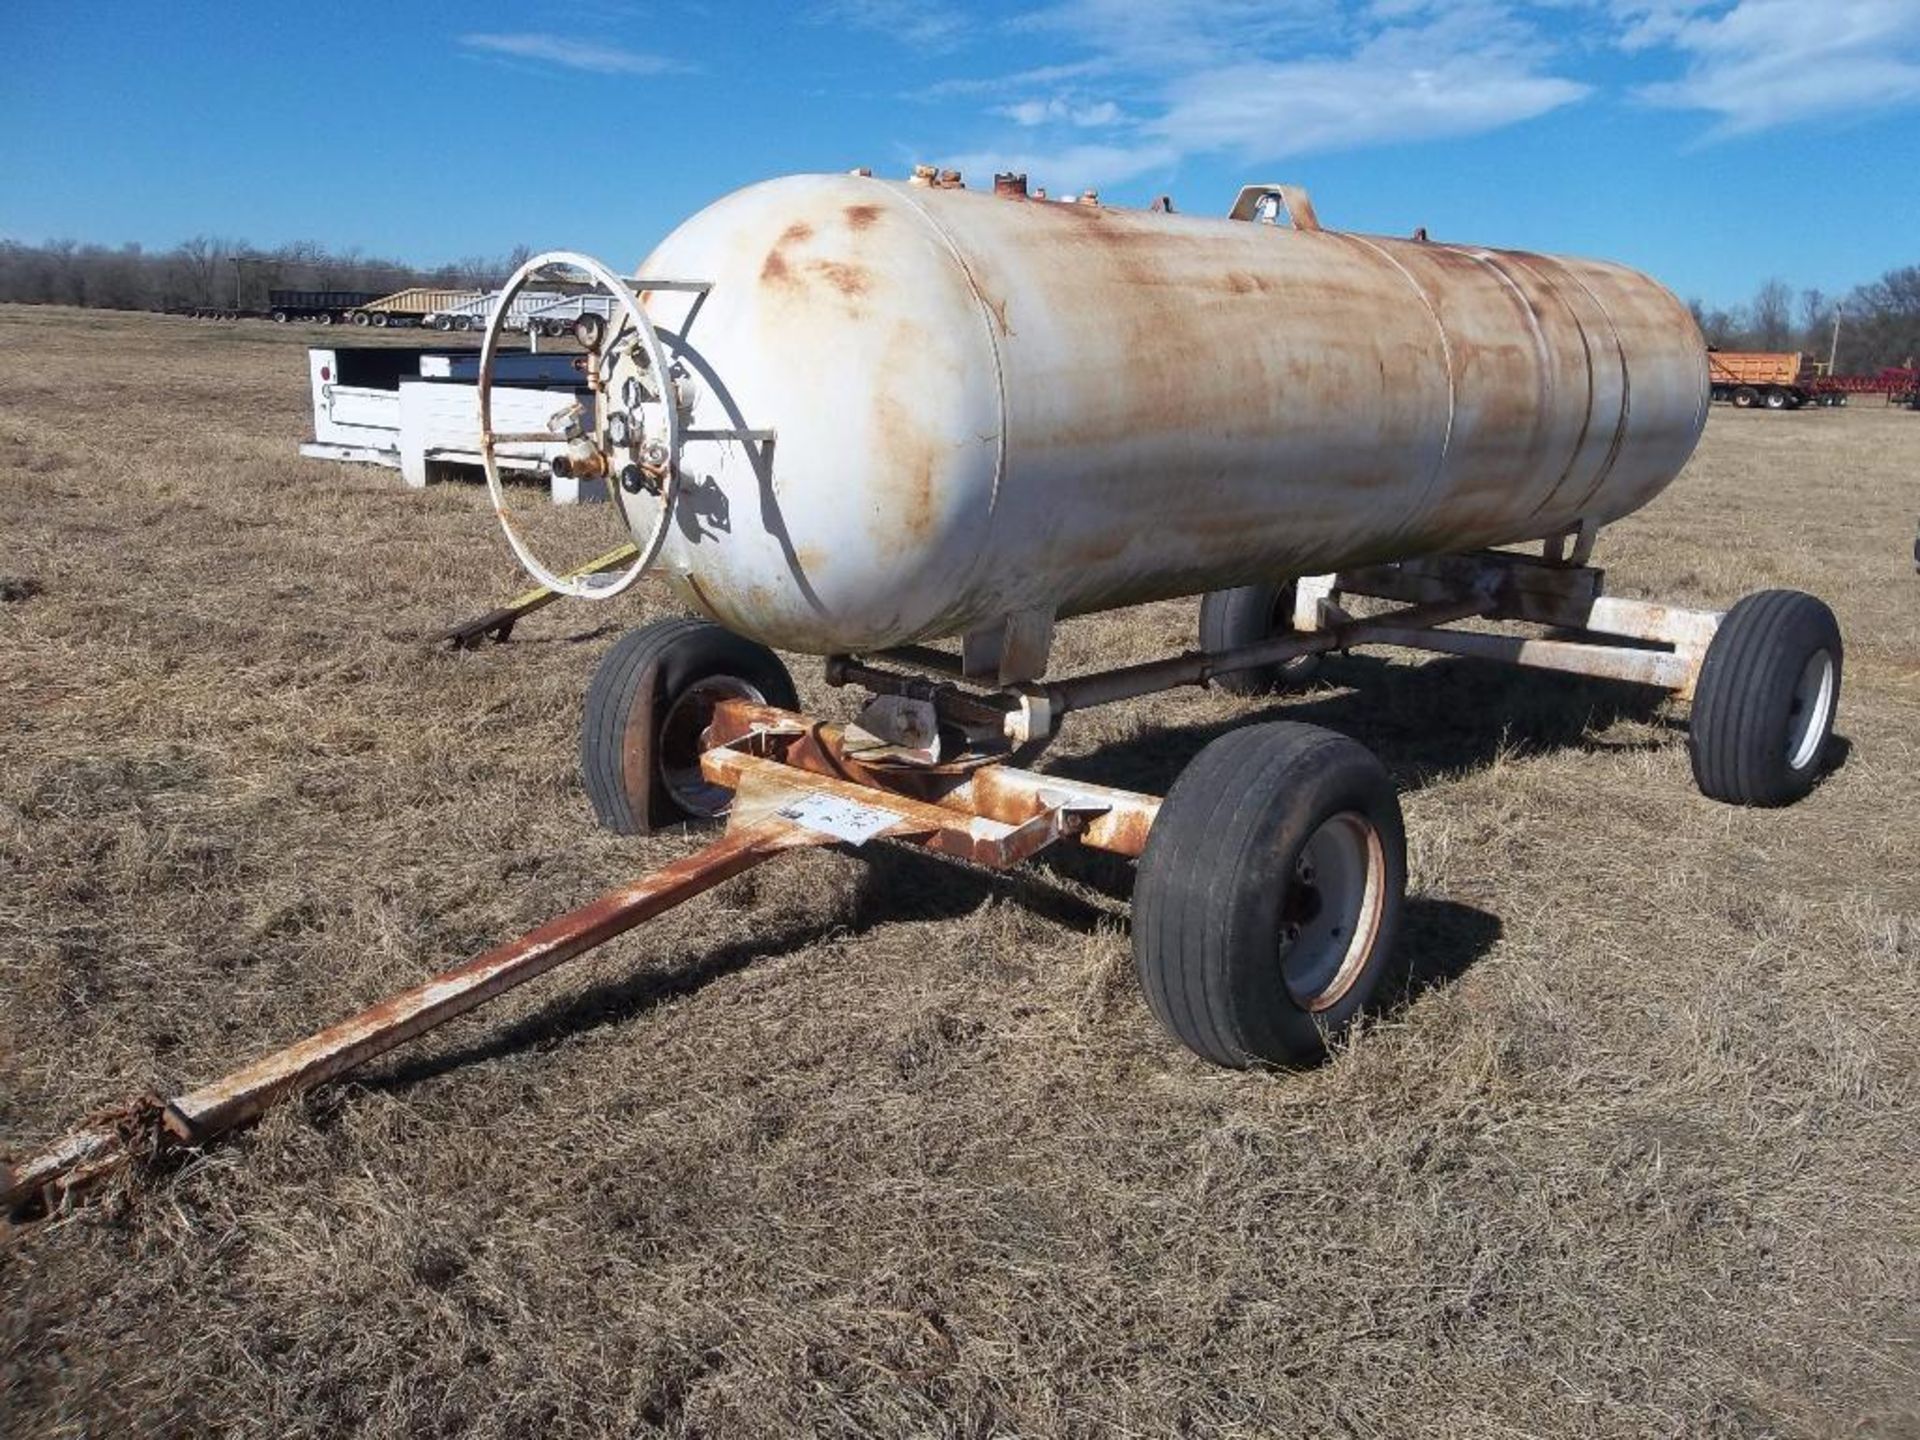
(1425, 721)
(1439, 940)
(896, 884)
(1442, 717)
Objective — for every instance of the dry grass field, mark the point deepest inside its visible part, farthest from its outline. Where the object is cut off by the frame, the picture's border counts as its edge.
(877, 1146)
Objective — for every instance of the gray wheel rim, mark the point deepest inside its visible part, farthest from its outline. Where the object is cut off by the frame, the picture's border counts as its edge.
(679, 744)
(1330, 918)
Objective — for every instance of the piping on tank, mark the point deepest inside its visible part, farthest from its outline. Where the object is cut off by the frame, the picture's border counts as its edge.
(980, 412)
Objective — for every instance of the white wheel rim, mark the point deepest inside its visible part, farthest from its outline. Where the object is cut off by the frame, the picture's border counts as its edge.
(1331, 915)
(585, 587)
(1812, 711)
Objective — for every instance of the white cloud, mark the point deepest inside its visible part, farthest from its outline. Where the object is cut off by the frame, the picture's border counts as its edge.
(1267, 79)
(571, 54)
(1069, 169)
(1398, 87)
(1263, 80)
(932, 24)
(1758, 64)
(1061, 111)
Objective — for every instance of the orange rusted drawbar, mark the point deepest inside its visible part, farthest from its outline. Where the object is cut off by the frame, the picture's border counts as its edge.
(795, 786)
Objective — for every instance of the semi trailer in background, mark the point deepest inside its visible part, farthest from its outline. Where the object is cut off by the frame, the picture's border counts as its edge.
(321, 307)
(544, 312)
(410, 306)
(1788, 380)
(1777, 380)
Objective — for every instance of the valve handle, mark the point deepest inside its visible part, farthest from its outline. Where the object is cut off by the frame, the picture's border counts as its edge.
(595, 587)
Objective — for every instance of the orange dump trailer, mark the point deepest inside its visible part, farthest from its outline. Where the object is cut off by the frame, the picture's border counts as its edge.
(1779, 380)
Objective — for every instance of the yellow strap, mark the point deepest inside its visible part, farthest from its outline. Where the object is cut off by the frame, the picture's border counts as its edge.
(540, 595)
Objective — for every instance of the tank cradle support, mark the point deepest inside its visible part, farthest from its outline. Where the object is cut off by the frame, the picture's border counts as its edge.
(795, 785)
(1587, 633)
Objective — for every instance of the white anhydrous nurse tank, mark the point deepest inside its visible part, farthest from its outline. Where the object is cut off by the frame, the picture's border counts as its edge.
(986, 406)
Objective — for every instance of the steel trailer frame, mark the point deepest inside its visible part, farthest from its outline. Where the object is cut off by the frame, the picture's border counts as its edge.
(934, 759)
(798, 783)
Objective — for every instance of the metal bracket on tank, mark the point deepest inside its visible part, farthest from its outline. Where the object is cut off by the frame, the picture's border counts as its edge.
(1261, 202)
(1555, 550)
(1012, 649)
(746, 435)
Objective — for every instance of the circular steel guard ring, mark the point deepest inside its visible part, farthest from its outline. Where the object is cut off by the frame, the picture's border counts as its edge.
(585, 587)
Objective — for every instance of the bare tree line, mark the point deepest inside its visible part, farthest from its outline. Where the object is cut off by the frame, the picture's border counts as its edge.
(1879, 322)
(209, 272)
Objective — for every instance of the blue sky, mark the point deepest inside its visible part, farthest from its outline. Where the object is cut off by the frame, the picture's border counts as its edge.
(1714, 143)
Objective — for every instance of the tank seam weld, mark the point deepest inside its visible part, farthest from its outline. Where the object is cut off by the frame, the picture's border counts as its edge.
(1626, 396)
(1586, 348)
(1496, 261)
(1420, 509)
(999, 382)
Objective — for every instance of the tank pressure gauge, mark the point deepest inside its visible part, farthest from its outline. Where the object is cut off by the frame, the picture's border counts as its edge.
(590, 329)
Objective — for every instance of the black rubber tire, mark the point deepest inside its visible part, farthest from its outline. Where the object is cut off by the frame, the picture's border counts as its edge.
(1219, 878)
(323, 318)
(636, 684)
(1746, 397)
(1743, 704)
(279, 317)
(1774, 400)
(1246, 616)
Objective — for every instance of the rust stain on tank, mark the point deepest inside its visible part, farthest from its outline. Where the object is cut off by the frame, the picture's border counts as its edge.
(849, 280)
(860, 217)
(913, 457)
(775, 270)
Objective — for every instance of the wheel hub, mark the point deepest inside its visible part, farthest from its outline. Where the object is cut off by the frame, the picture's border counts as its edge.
(1330, 915)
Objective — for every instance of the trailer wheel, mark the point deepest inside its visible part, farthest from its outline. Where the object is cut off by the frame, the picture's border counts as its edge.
(1775, 400)
(1247, 615)
(1269, 895)
(325, 317)
(647, 707)
(279, 317)
(1746, 397)
(360, 317)
(1764, 706)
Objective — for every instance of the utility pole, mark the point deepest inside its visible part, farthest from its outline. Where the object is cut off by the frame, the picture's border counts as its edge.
(1833, 350)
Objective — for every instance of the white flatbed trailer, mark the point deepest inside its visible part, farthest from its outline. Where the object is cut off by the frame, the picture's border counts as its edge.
(416, 411)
